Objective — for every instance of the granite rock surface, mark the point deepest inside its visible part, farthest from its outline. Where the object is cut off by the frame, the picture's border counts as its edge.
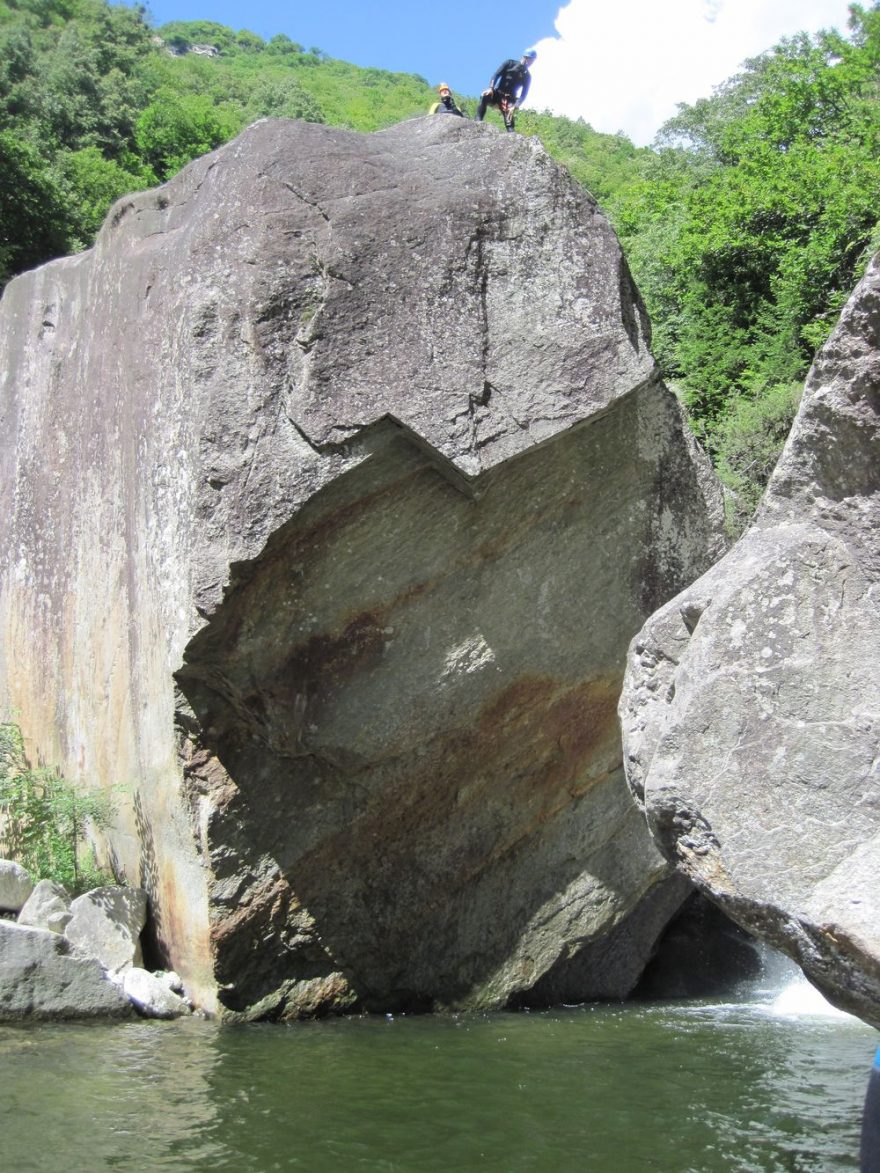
(16, 885)
(337, 478)
(47, 907)
(106, 923)
(42, 978)
(751, 702)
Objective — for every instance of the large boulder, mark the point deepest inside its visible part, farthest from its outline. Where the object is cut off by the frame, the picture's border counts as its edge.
(40, 978)
(751, 702)
(47, 907)
(16, 885)
(361, 479)
(106, 923)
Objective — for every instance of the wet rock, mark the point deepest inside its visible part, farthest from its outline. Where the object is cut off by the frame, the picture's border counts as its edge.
(170, 980)
(702, 954)
(152, 995)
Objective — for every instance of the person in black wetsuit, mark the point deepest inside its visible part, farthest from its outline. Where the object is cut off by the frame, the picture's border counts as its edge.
(508, 88)
(870, 1151)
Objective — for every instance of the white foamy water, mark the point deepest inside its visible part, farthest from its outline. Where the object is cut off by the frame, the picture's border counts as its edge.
(783, 991)
(800, 998)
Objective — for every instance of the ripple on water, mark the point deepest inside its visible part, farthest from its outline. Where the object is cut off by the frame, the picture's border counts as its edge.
(675, 1086)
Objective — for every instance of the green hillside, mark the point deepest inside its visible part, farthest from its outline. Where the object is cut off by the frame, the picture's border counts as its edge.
(746, 225)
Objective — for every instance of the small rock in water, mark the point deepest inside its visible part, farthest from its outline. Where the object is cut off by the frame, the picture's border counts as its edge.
(170, 980)
(151, 996)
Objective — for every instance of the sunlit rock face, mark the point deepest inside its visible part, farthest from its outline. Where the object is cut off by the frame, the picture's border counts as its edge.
(336, 479)
(751, 702)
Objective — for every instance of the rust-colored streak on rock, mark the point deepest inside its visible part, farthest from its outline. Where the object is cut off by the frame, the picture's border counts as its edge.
(324, 661)
(470, 797)
(557, 726)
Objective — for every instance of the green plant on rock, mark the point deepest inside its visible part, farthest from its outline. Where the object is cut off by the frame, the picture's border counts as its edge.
(44, 819)
(749, 440)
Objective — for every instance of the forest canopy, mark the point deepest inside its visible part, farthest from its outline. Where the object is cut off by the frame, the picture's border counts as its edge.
(746, 224)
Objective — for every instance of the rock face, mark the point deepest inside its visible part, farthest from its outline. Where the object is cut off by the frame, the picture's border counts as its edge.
(361, 479)
(751, 702)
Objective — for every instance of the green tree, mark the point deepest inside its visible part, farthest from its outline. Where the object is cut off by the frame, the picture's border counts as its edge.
(91, 183)
(281, 97)
(87, 90)
(748, 227)
(176, 128)
(44, 820)
(749, 440)
(34, 215)
(777, 180)
(283, 45)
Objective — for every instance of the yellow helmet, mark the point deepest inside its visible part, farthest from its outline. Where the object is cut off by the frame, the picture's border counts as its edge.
(443, 86)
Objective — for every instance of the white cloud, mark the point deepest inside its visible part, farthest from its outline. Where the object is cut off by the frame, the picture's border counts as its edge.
(627, 66)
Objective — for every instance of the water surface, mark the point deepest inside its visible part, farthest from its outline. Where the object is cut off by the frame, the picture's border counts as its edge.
(654, 1086)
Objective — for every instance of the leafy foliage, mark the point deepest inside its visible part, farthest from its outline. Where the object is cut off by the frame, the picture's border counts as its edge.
(43, 819)
(748, 227)
(34, 216)
(755, 216)
(176, 128)
(749, 440)
(91, 183)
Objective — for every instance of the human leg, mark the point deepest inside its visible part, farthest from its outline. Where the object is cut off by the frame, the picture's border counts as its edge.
(483, 106)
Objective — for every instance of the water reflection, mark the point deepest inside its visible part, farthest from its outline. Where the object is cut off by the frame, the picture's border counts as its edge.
(103, 1097)
(662, 1086)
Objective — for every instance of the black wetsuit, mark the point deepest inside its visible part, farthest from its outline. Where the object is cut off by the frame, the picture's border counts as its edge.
(510, 84)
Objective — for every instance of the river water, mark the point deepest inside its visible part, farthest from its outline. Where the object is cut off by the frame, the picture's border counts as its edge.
(760, 1084)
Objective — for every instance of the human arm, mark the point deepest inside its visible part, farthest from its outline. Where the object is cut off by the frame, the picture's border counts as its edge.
(524, 92)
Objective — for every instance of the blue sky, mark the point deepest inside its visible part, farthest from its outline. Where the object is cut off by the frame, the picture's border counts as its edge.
(460, 43)
(621, 67)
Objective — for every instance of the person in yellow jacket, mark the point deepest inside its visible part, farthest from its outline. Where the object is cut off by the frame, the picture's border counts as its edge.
(446, 105)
